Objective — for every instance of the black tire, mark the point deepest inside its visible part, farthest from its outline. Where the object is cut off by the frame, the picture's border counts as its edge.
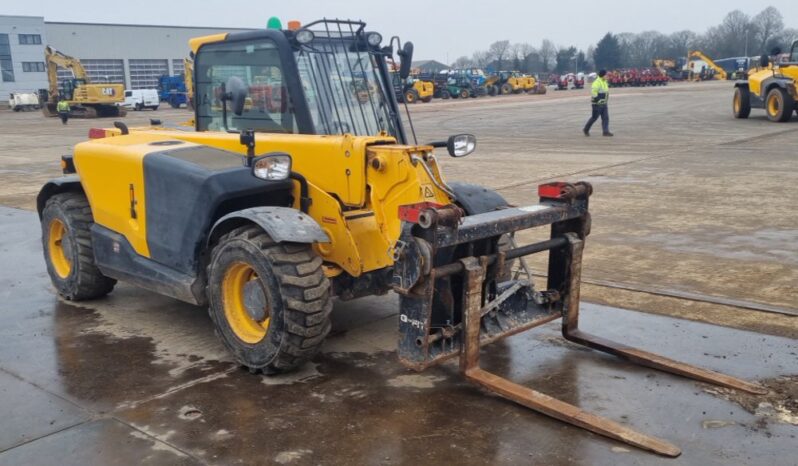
(741, 103)
(296, 297)
(137, 107)
(427, 99)
(82, 280)
(411, 96)
(154, 107)
(445, 94)
(464, 93)
(779, 105)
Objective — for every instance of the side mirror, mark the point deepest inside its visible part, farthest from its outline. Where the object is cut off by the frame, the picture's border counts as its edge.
(236, 94)
(764, 61)
(458, 145)
(406, 54)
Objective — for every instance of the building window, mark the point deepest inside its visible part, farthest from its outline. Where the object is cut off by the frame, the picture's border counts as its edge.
(30, 39)
(144, 74)
(98, 71)
(6, 67)
(33, 67)
(178, 67)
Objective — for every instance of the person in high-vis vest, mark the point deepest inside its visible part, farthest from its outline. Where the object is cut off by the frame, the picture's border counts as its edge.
(63, 110)
(599, 95)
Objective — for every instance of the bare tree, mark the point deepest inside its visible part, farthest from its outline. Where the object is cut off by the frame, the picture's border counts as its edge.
(499, 52)
(480, 59)
(768, 24)
(680, 44)
(462, 62)
(520, 53)
(548, 54)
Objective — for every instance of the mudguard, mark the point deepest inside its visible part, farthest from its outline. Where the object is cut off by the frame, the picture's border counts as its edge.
(55, 186)
(475, 199)
(283, 224)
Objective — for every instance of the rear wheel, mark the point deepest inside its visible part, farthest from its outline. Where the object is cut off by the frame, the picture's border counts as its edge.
(506, 89)
(427, 99)
(779, 105)
(66, 240)
(445, 94)
(741, 103)
(270, 301)
(464, 93)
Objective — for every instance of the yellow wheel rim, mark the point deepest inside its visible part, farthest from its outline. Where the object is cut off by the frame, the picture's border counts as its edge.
(737, 103)
(55, 241)
(773, 105)
(238, 279)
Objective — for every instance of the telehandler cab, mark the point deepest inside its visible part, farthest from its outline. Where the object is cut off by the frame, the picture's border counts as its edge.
(274, 205)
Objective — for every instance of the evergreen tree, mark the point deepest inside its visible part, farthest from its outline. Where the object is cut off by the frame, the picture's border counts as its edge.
(608, 53)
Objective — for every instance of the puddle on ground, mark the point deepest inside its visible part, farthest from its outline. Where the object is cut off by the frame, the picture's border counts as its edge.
(780, 403)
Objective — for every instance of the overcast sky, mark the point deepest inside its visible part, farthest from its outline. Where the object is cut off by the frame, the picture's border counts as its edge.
(441, 30)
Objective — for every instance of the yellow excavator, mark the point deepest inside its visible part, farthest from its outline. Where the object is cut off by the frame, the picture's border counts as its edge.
(720, 73)
(86, 100)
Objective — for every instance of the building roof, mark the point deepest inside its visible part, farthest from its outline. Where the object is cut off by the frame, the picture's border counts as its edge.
(422, 63)
(69, 23)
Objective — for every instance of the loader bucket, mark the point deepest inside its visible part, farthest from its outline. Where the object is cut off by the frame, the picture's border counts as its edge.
(456, 296)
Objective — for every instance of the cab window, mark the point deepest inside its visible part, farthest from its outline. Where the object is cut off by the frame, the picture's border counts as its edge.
(794, 53)
(267, 107)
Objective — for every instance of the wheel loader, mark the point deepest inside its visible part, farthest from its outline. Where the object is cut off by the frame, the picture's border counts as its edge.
(264, 215)
(773, 87)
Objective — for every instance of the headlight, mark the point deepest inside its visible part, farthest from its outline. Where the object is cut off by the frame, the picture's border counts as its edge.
(461, 145)
(272, 167)
(304, 36)
(373, 38)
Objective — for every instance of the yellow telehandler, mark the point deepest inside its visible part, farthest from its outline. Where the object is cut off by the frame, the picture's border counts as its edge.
(268, 211)
(773, 87)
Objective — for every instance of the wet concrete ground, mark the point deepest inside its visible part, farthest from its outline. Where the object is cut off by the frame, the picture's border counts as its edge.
(138, 378)
(687, 200)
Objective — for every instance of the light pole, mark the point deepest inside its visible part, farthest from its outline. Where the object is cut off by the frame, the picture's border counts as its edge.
(576, 63)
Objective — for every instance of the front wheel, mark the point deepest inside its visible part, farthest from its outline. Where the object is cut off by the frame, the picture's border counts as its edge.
(270, 301)
(741, 103)
(68, 252)
(464, 93)
(411, 96)
(445, 95)
(779, 105)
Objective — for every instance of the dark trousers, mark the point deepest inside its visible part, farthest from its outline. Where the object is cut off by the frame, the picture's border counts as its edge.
(64, 116)
(604, 113)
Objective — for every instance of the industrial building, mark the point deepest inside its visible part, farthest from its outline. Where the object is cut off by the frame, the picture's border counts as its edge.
(135, 55)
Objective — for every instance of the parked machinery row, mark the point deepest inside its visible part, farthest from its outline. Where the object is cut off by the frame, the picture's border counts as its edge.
(637, 77)
(474, 82)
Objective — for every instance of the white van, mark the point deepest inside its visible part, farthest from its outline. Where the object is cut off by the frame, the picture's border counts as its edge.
(139, 99)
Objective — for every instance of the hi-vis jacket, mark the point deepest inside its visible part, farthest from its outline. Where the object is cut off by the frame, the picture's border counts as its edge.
(600, 91)
(63, 106)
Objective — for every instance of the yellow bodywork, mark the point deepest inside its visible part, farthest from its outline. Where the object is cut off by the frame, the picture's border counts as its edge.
(356, 185)
(755, 79)
(425, 89)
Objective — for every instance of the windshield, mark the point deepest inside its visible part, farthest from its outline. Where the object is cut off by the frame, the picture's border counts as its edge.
(794, 53)
(267, 107)
(342, 86)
